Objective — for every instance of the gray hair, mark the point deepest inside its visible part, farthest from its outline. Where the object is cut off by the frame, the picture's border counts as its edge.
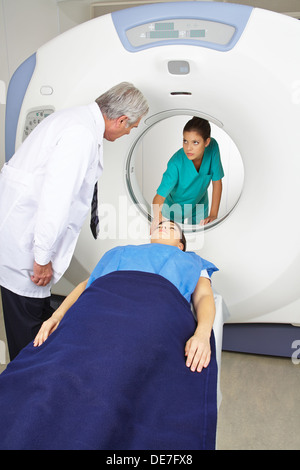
(123, 100)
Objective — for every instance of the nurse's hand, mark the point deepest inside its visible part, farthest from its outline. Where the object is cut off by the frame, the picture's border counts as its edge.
(208, 219)
(42, 274)
(45, 331)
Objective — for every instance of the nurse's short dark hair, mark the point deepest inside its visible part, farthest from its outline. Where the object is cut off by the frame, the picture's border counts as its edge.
(199, 125)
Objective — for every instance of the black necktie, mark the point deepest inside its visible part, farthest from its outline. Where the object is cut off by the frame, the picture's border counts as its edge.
(94, 213)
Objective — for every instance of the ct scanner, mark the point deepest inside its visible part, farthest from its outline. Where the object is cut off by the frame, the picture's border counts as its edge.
(237, 66)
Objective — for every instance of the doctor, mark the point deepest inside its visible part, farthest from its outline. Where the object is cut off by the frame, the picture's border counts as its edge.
(46, 191)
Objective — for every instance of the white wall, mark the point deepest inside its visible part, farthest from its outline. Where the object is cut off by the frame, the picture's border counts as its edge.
(25, 25)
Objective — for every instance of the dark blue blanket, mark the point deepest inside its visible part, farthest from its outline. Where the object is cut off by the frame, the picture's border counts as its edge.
(113, 375)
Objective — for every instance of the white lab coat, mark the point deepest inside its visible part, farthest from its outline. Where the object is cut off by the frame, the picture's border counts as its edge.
(46, 190)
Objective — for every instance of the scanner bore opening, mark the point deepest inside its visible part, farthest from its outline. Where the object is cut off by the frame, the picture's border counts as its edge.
(148, 157)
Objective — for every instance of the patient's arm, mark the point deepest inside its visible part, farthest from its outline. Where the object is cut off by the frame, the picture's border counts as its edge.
(197, 348)
(52, 323)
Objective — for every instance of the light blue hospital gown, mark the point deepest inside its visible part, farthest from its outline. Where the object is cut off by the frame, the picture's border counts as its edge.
(183, 269)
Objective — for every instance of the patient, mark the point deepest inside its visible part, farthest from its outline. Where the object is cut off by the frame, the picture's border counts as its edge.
(145, 258)
(118, 371)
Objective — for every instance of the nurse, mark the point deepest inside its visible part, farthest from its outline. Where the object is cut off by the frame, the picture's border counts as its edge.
(46, 190)
(182, 193)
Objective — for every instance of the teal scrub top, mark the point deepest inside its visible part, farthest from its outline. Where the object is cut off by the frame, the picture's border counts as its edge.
(185, 188)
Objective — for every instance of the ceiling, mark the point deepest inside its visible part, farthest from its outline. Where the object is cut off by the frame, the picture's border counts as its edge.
(291, 7)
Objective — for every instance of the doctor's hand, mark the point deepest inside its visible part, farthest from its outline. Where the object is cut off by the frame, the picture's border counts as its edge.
(42, 274)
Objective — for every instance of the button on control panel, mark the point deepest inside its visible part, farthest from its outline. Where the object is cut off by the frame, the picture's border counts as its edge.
(33, 118)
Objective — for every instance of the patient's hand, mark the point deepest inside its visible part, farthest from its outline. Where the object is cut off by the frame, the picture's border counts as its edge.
(45, 331)
(197, 350)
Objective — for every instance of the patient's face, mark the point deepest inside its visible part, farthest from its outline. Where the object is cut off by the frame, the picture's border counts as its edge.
(167, 233)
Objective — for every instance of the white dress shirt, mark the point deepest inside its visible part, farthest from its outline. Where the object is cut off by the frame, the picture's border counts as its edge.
(46, 190)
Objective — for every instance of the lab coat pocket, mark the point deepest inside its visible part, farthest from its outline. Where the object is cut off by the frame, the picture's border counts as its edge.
(15, 184)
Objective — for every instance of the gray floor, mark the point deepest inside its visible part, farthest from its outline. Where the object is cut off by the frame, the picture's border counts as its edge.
(260, 409)
(260, 405)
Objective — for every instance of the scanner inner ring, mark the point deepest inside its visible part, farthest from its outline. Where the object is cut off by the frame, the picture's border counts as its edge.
(149, 154)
